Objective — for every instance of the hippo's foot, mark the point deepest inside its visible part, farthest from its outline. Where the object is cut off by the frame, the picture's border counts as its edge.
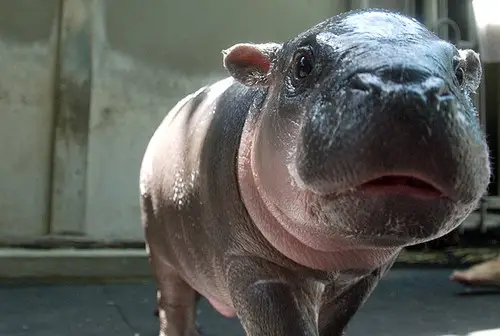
(485, 274)
(176, 303)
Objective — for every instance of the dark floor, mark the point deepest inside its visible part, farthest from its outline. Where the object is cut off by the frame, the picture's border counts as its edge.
(406, 303)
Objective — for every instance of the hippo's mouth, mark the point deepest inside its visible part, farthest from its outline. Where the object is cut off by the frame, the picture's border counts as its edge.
(401, 184)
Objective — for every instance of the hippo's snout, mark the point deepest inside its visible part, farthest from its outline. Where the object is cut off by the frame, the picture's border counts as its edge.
(433, 90)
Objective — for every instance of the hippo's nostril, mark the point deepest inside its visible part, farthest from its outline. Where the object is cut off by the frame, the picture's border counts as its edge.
(435, 87)
(443, 91)
(364, 82)
(357, 83)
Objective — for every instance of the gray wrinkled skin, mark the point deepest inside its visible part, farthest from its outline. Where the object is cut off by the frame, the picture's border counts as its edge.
(253, 189)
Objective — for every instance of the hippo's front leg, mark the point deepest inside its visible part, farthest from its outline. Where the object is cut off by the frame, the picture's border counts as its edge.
(338, 308)
(268, 303)
(341, 302)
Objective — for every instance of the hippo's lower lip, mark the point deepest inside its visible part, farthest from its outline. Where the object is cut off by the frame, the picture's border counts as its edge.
(407, 185)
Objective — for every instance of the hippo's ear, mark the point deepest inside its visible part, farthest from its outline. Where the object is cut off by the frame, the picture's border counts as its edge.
(471, 65)
(251, 64)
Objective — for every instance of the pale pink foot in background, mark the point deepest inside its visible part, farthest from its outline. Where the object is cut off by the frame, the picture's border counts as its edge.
(486, 273)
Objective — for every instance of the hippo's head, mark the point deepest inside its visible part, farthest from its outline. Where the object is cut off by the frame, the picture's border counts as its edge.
(367, 131)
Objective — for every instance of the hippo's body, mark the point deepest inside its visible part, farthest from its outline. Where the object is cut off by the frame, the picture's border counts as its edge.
(284, 192)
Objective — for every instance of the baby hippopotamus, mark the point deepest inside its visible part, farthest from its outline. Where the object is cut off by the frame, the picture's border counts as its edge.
(284, 192)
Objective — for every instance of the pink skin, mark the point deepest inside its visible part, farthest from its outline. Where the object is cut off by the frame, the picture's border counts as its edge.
(222, 308)
(399, 184)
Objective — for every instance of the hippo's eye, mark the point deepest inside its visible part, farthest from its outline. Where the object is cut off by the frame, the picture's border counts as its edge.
(303, 65)
(459, 73)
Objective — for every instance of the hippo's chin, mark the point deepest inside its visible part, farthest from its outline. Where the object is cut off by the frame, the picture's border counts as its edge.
(390, 215)
(382, 210)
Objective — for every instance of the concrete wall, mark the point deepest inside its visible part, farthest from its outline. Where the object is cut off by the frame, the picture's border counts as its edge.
(28, 42)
